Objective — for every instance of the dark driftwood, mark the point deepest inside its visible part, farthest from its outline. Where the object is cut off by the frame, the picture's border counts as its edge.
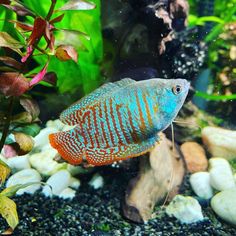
(160, 176)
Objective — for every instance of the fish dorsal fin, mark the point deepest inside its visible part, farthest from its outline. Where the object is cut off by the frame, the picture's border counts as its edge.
(68, 116)
(124, 82)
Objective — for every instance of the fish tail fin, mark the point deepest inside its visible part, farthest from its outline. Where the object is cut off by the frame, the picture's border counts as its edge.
(69, 144)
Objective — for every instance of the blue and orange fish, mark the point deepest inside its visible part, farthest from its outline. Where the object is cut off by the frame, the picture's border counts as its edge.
(119, 120)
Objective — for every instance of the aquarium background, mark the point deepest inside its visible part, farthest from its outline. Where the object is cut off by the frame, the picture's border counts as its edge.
(53, 53)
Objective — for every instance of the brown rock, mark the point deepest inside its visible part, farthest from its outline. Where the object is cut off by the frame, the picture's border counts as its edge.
(160, 176)
(195, 157)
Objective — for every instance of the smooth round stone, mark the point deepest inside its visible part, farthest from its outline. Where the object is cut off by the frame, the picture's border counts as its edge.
(47, 147)
(74, 183)
(77, 170)
(224, 205)
(18, 163)
(200, 183)
(44, 162)
(58, 182)
(24, 177)
(186, 209)
(41, 139)
(55, 124)
(97, 181)
(220, 142)
(221, 175)
(67, 193)
(195, 157)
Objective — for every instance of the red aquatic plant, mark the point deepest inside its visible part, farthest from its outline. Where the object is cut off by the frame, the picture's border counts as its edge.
(16, 77)
(32, 38)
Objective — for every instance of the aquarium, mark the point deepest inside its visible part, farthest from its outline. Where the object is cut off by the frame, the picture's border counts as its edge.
(117, 117)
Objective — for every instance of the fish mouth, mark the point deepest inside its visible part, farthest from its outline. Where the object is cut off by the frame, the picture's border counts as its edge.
(187, 87)
(188, 84)
(187, 92)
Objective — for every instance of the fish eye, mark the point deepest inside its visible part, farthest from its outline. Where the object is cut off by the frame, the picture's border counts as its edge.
(177, 89)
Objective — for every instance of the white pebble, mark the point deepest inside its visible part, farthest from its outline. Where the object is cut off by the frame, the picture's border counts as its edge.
(200, 183)
(97, 181)
(74, 183)
(224, 205)
(76, 170)
(18, 163)
(57, 182)
(44, 162)
(221, 175)
(55, 124)
(41, 139)
(185, 209)
(24, 177)
(220, 142)
(67, 193)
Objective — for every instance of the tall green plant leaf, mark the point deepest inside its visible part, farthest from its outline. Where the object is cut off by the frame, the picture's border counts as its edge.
(213, 97)
(219, 28)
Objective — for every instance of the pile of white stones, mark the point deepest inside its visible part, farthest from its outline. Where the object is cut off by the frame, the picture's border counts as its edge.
(217, 184)
(40, 164)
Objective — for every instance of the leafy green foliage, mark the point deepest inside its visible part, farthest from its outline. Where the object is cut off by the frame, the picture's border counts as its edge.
(86, 72)
(30, 129)
(194, 20)
(224, 12)
(213, 97)
(219, 61)
(48, 32)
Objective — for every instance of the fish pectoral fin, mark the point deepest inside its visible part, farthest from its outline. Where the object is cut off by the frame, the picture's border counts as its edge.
(106, 156)
(69, 116)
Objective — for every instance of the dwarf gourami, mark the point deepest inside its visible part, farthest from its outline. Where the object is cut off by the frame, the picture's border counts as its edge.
(119, 120)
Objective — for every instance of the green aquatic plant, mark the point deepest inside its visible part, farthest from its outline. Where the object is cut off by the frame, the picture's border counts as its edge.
(213, 97)
(86, 72)
(220, 41)
(34, 37)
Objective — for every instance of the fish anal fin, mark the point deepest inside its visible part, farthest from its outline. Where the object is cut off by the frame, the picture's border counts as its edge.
(70, 115)
(69, 151)
(106, 156)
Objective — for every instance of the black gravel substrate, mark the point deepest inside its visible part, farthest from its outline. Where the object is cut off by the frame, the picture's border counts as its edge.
(97, 213)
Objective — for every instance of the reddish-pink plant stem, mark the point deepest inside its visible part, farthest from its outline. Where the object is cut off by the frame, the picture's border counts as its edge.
(10, 107)
(50, 12)
(7, 124)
